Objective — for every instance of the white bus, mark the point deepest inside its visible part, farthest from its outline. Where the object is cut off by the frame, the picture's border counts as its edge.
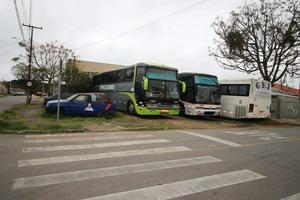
(245, 98)
(201, 95)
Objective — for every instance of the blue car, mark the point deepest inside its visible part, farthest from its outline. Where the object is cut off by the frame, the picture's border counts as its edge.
(91, 104)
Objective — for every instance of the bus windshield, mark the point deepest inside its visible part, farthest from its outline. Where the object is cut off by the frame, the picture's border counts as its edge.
(206, 80)
(207, 94)
(161, 74)
(162, 89)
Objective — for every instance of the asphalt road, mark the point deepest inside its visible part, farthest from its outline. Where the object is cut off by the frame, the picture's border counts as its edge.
(235, 164)
(9, 102)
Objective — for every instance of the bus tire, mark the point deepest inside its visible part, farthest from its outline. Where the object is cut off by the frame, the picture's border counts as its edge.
(181, 110)
(130, 108)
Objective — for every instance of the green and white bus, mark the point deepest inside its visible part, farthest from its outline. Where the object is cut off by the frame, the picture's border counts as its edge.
(143, 89)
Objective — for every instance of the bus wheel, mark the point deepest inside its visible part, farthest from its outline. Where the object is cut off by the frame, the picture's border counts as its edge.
(130, 108)
(181, 110)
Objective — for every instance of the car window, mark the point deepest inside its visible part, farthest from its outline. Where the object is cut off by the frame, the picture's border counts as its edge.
(100, 98)
(80, 99)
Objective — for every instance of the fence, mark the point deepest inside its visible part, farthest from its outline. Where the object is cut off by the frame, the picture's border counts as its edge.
(285, 107)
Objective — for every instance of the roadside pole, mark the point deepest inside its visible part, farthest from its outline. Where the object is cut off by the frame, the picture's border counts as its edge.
(29, 83)
(59, 86)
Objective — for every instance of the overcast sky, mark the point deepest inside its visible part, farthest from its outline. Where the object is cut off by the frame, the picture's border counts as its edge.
(172, 32)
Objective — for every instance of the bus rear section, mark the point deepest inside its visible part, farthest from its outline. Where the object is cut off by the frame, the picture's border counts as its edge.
(201, 96)
(242, 99)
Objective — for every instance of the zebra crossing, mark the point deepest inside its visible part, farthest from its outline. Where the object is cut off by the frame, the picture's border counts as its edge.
(40, 146)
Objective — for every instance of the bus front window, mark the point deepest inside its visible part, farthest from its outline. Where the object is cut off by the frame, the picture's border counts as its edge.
(162, 89)
(207, 94)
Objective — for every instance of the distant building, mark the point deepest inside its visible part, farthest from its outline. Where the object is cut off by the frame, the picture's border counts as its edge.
(3, 89)
(279, 88)
(95, 67)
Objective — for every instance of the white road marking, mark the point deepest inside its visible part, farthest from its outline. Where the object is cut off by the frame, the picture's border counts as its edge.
(292, 197)
(261, 135)
(50, 179)
(187, 187)
(84, 139)
(64, 159)
(75, 134)
(91, 146)
(232, 144)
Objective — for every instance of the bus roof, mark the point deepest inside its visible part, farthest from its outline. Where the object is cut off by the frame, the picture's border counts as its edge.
(142, 65)
(156, 65)
(194, 73)
(238, 81)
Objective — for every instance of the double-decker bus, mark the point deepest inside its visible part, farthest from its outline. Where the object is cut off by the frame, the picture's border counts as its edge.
(245, 98)
(201, 96)
(143, 89)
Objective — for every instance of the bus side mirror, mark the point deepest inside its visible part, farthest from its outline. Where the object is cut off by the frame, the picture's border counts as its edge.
(146, 83)
(183, 86)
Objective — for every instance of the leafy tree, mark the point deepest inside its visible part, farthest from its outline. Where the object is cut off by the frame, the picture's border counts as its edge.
(76, 81)
(260, 38)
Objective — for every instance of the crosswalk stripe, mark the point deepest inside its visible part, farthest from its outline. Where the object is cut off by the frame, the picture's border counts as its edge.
(64, 159)
(36, 141)
(50, 179)
(91, 146)
(292, 197)
(232, 144)
(76, 134)
(187, 187)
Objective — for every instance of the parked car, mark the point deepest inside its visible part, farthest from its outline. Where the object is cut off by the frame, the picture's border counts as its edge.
(55, 97)
(92, 104)
(19, 93)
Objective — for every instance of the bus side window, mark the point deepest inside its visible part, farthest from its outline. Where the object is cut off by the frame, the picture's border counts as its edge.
(224, 89)
(233, 90)
(129, 74)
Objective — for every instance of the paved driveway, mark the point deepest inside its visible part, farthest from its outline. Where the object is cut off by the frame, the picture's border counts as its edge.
(8, 102)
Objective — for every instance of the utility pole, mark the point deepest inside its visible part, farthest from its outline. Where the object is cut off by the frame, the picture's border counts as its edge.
(59, 86)
(29, 83)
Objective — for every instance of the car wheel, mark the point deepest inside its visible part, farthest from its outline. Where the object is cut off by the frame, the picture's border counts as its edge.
(131, 108)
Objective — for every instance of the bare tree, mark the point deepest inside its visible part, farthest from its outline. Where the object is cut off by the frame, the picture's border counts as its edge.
(260, 38)
(47, 57)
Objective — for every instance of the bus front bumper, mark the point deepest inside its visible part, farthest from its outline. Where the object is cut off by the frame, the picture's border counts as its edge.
(196, 110)
(157, 111)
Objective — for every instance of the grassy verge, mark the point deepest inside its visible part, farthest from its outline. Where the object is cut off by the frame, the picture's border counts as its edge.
(33, 119)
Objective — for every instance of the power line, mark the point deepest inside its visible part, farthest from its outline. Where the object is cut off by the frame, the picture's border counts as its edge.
(161, 18)
(19, 20)
(157, 20)
(24, 11)
(30, 12)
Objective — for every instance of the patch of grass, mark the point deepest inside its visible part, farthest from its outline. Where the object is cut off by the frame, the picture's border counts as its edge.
(11, 125)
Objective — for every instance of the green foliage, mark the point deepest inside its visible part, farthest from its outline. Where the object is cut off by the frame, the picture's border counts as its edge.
(75, 80)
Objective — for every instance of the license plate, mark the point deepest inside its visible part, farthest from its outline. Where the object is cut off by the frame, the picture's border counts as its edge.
(164, 111)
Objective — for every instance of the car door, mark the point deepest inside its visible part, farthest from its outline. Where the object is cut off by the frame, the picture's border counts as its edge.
(99, 102)
(79, 104)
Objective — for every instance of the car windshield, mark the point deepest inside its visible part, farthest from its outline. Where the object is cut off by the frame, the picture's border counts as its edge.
(162, 89)
(207, 94)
